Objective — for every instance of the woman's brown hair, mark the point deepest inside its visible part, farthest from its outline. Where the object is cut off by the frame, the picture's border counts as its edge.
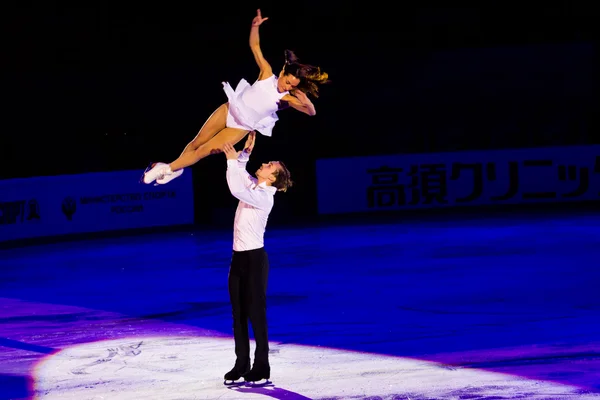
(310, 76)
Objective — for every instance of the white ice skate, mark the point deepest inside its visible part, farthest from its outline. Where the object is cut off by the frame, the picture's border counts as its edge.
(153, 172)
(169, 177)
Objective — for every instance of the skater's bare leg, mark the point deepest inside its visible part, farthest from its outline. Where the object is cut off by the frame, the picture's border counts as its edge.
(213, 125)
(213, 146)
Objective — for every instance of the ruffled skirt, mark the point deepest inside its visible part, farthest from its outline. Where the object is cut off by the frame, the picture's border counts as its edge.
(241, 116)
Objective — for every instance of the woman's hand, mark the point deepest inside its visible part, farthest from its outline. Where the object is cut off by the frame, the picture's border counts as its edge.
(258, 20)
(300, 95)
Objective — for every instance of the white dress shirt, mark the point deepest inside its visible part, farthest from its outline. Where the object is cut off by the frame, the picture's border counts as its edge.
(256, 202)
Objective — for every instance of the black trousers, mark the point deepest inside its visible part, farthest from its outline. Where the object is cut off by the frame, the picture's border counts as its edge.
(248, 276)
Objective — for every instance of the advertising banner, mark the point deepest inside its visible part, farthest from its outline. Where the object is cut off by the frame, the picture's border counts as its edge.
(67, 204)
(397, 182)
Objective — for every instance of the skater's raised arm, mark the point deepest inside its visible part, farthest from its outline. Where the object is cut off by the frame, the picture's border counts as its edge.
(244, 155)
(239, 180)
(265, 68)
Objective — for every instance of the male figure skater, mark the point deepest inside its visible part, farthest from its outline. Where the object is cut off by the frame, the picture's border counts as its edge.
(249, 269)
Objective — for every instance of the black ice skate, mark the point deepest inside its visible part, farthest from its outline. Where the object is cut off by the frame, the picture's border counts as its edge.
(259, 375)
(239, 370)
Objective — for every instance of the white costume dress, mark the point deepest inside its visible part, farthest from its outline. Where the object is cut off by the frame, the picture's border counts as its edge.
(253, 107)
(250, 108)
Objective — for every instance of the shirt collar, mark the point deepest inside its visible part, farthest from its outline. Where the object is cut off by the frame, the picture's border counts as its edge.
(270, 189)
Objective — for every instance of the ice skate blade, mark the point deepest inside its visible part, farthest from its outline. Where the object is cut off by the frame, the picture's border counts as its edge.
(231, 383)
(258, 384)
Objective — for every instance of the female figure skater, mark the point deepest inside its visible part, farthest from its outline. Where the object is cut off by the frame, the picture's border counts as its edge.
(250, 107)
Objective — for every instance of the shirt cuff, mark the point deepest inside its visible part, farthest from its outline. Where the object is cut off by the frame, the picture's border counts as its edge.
(243, 157)
(232, 163)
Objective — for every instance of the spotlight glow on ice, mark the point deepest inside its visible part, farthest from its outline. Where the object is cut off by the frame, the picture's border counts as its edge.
(193, 368)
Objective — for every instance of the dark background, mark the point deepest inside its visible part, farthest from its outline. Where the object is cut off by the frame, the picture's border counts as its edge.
(103, 86)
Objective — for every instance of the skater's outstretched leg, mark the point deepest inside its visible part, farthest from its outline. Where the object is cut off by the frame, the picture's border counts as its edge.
(213, 125)
(163, 173)
(213, 146)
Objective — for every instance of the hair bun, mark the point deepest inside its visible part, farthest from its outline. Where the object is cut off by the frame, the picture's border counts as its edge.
(290, 57)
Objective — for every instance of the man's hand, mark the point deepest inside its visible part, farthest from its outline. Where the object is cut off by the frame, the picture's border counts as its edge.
(250, 142)
(230, 152)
